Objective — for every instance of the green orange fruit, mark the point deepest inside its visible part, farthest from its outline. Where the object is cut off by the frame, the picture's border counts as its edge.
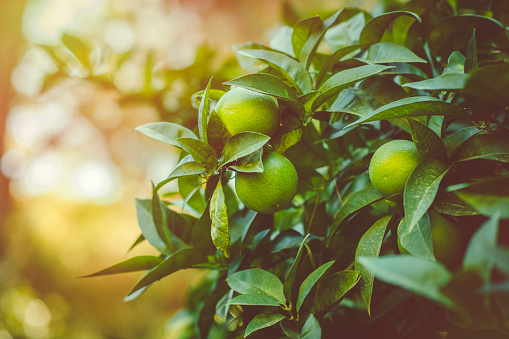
(271, 190)
(243, 110)
(391, 165)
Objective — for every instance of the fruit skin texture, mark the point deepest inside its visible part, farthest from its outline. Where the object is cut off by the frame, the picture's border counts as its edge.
(391, 166)
(271, 190)
(446, 237)
(242, 110)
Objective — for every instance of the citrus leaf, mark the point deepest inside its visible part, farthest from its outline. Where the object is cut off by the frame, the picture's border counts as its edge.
(251, 163)
(311, 329)
(332, 290)
(357, 201)
(140, 263)
(340, 81)
(455, 64)
(185, 258)
(490, 83)
(248, 63)
(309, 282)
(369, 246)
(184, 169)
(335, 57)
(203, 113)
(159, 216)
(488, 196)
(138, 241)
(290, 68)
(263, 320)
(376, 27)
(420, 276)
(259, 299)
(270, 85)
(421, 189)
(257, 281)
(201, 152)
(453, 141)
(384, 52)
(290, 277)
(471, 63)
(241, 145)
(450, 204)
(484, 146)
(200, 236)
(444, 82)
(478, 256)
(219, 227)
(414, 106)
(147, 225)
(302, 31)
(417, 239)
(428, 143)
(217, 134)
(166, 132)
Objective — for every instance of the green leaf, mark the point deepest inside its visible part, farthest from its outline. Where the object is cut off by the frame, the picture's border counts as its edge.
(342, 80)
(302, 31)
(484, 146)
(357, 201)
(488, 196)
(444, 82)
(257, 282)
(203, 113)
(450, 204)
(455, 64)
(251, 163)
(311, 329)
(420, 276)
(292, 274)
(182, 170)
(421, 189)
(414, 106)
(263, 320)
(200, 236)
(490, 83)
(159, 216)
(147, 225)
(217, 134)
(428, 143)
(201, 152)
(166, 132)
(185, 258)
(290, 68)
(376, 27)
(478, 256)
(259, 299)
(417, 239)
(241, 145)
(471, 63)
(219, 227)
(369, 246)
(347, 32)
(332, 290)
(270, 85)
(78, 48)
(140, 263)
(335, 57)
(309, 282)
(453, 141)
(248, 63)
(384, 52)
(138, 241)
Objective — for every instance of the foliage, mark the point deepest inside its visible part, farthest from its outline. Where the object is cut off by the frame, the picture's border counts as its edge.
(433, 72)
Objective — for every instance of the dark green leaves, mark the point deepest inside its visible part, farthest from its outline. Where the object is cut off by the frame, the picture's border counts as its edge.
(219, 218)
(290, 278)
(140, 263)
(310, 281)
(484, 146)
(490, 83)
(201, 152)
(421, 276)
(369, 246)
(154, 236)
(166, 132)
(384, 52)
(241, 145)
(375, 28)
(257, 282)
(428, 143)
(263, 320)
(203, 113)
(332, 290)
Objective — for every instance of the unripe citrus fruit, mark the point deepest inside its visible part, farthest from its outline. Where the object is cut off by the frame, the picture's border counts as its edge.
(447, 239)
(242, 110)
(271, 190)
(391, 166)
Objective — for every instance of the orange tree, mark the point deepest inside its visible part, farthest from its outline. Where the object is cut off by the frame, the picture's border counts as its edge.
(435, 73)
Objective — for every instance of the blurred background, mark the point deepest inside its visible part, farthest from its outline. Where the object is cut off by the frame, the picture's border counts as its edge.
(76, 77)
